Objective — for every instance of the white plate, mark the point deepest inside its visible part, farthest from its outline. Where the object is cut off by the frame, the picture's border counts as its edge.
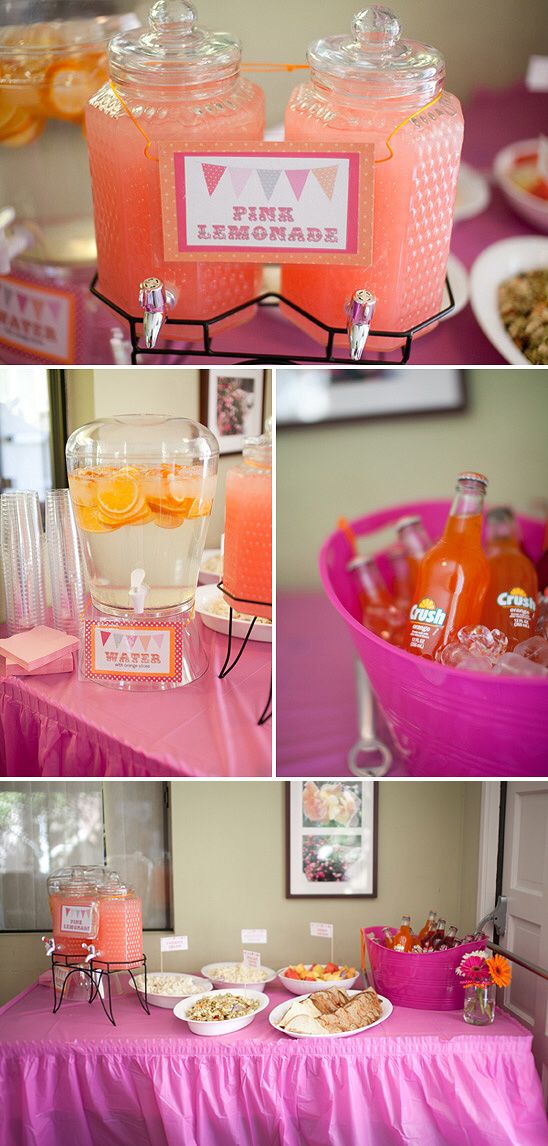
(530, 207)
(278, 1013)
(306, 987)
(224, 1026)
(206, 595)
(497, 263)
(458, 277)
(473, 193)
(219, 984)
(170, 1001)
(205, 576)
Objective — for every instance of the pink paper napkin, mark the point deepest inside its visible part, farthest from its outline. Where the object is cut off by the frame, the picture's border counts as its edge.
(38, 647)
(9, 667)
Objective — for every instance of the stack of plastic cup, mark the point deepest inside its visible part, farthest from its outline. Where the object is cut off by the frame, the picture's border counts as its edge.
(21, 548)
(66, 562)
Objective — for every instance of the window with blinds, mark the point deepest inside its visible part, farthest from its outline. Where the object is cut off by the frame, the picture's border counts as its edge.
(48, 825)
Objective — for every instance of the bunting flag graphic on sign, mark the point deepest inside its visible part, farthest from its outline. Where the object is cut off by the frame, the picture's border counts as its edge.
(297, 179)
(213, 173)
(268, 180)
(327, 177)
(104, 636)
(239, 177)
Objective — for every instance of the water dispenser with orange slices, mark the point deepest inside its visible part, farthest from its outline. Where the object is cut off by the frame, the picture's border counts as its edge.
(142, 487)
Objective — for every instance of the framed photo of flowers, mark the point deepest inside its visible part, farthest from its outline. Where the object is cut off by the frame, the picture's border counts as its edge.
(232, 404)
(331, 831)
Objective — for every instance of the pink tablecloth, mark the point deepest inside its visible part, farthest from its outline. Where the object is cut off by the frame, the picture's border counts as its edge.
(316, 690)
(60, 726)
(420, 1077)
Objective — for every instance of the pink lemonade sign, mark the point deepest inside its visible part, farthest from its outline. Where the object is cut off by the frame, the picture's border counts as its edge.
(142, 652)
(273, 202)
(37, 321)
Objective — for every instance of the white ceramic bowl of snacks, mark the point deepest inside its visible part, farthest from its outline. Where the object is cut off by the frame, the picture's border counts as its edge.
(308, 986)
(211, 569)
(167, 988)
(517, 174)
(500, 264)
(234, 975)
(213, 610)
(277, 1014)
(249, 1003)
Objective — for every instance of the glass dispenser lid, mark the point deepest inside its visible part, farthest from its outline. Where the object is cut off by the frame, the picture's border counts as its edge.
(46, 26)
(376, 55)
(173, 49)
(145, 437)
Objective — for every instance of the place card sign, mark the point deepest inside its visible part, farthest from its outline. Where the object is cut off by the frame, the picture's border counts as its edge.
(322, 930)
(137, 651)
(39, 322)
(174, 943)
(254, 936)
(77, 919)
(252, 958)
(269, 202)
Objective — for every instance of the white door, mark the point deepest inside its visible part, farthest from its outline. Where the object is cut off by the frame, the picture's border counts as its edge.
(525, 883)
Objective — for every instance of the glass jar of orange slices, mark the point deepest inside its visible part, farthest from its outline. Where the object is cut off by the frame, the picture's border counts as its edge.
(142, 488)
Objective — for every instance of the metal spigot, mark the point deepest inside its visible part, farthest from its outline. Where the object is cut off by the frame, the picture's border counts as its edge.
(14, 239)
(49, 944)
(92, 951)
(156, 301)
(359, 315)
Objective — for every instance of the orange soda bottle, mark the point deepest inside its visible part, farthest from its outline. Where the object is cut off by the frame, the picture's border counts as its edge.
(453, 576)
(403, 939)
(428, 926)
(402, 582)
(510, 603)
(379, 613)
(415, 542)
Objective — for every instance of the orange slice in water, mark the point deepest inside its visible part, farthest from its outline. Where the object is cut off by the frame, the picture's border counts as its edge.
(69, 84)
(118, 494)
(18, 128)
(90, 520)
(201, 507)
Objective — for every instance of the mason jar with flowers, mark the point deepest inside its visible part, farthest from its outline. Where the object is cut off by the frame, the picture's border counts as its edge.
(481, 975)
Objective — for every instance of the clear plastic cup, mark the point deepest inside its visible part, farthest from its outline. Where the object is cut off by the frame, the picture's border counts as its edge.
(21, 547)
(66, 562)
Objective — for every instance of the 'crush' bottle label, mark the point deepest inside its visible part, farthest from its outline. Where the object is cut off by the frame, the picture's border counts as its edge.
(520, 607)
(426, 618)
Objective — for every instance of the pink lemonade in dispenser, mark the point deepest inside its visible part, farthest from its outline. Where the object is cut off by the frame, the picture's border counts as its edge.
(74, 905)
(120, 938)
(378, 88)
(175, 83)
(247, 567)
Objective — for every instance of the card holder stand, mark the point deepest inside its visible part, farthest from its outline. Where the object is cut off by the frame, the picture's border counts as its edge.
(206, 329)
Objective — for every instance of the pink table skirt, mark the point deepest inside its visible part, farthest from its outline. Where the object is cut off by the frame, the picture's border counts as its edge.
(60, 726)
(420, 1077)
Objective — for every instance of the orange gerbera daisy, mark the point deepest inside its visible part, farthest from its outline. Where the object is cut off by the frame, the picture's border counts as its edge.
(500, 970)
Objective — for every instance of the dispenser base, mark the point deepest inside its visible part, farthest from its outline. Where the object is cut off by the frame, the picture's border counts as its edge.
(136, 654)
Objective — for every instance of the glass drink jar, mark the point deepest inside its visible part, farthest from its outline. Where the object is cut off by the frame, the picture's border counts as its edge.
(142, 488)
(52, 59)
(247, 565)
(362, 89)
(173, 82)
(74, 903)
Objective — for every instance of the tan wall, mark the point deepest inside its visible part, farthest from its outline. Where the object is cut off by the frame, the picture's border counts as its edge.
(352, 469)
(102, 393)
(229, 873)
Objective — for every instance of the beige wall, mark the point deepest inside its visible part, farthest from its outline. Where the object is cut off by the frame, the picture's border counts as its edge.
(349, 470)
(229, 873)
(102, 393)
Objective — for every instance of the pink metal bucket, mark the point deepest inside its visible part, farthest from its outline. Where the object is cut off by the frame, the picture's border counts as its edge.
(444, 722)
(423, 982)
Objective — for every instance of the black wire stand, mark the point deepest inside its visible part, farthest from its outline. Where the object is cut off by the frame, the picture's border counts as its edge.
(227, 666)
(205, 330)
(99, 973)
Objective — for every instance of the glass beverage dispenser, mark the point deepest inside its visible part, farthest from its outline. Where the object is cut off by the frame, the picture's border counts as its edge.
(173, 82)
(375, 87)
(142, 487)
(247, 562)
(52, 59)
(95, 916)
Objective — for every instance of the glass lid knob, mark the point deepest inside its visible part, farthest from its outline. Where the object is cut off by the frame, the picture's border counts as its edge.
(173, 16)
(376, 29)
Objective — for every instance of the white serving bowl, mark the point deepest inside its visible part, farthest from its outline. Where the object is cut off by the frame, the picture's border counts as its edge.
(221, 984)
(473, 193)
(206, 595)
(205, 576)
(170, 1001)
(224, 1026)
(307, 987)
(530, 207)
(277, 1013)
(496, 264)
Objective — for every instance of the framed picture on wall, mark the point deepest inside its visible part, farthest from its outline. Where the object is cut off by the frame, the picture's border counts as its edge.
(232, 404)
(331, 835)
(316, 397)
